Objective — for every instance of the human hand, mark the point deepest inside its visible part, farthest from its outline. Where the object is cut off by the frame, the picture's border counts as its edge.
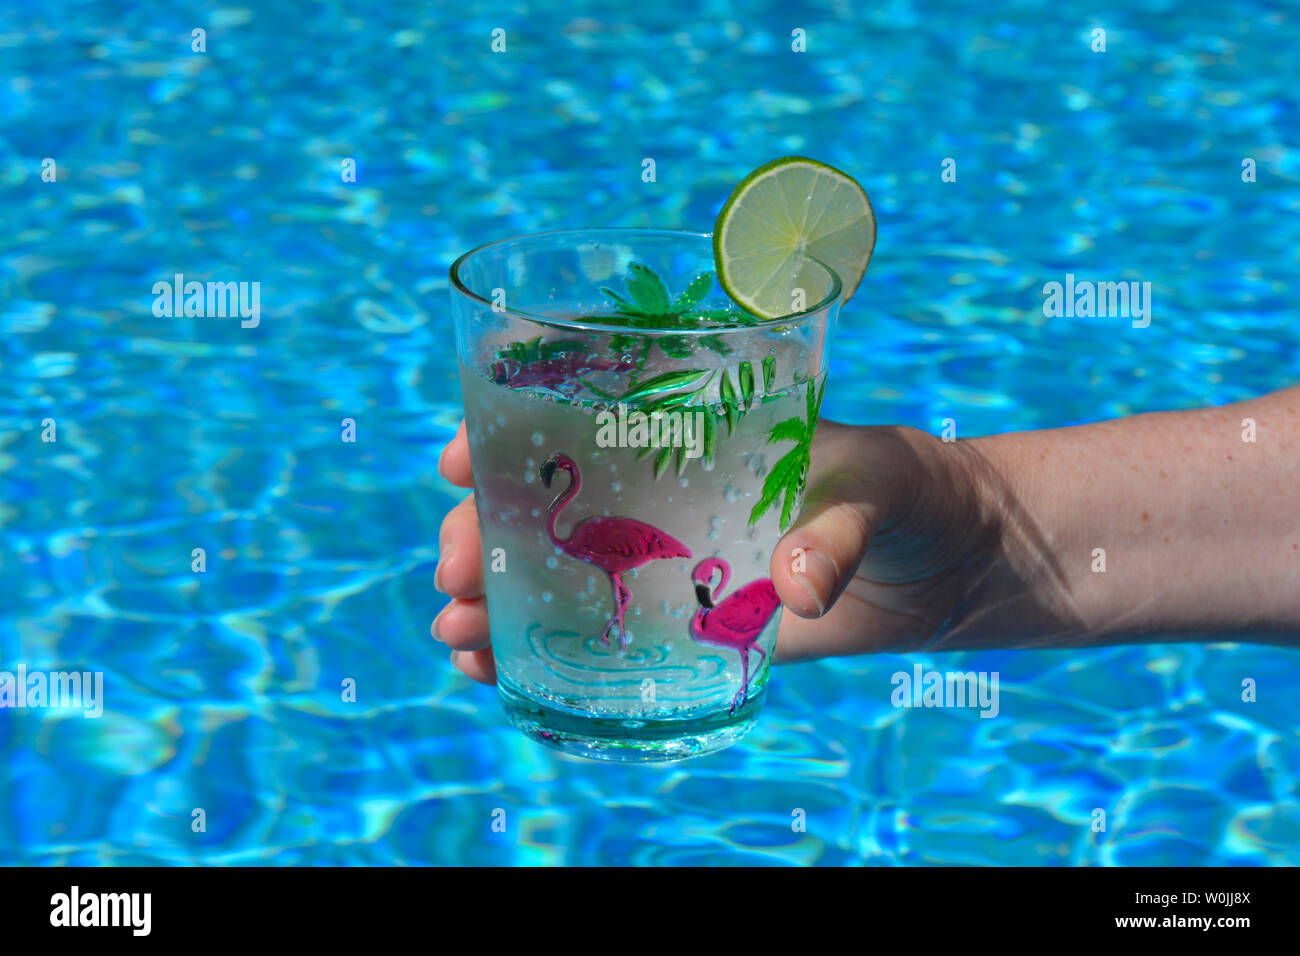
(896, 528)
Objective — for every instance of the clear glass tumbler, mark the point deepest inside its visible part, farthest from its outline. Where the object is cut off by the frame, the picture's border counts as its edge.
(639, 445)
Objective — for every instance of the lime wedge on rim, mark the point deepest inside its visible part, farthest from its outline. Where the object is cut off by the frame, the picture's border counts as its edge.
(782, 213)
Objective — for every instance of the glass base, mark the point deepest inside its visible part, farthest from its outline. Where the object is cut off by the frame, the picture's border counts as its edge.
(628, 739)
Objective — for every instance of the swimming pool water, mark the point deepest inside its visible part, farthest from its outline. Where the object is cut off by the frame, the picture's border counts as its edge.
(223, 688)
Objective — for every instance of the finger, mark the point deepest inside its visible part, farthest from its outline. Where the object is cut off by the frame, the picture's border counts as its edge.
(453, 464)
(815, 561)
(836, 634)
(476, 665)
(463, 625)
(460, 553)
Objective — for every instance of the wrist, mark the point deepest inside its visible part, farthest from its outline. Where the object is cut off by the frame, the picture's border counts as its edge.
(1015, 589)
(954, 514)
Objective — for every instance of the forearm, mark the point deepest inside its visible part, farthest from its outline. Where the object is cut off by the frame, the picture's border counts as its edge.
(1198, 531)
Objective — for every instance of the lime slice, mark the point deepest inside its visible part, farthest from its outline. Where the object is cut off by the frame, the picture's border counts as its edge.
(780, 214)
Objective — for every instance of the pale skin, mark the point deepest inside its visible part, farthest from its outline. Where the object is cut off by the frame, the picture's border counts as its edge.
(907, 542)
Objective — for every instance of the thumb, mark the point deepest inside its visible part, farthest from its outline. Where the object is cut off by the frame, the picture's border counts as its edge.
(818, 557)
(846, 501)
(854, 488)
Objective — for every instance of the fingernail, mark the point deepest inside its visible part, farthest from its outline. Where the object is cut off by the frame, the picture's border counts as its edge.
(443, 454)
(818, 577)
(817, 598)
(452, 657)
(437, 632)
(443, 558)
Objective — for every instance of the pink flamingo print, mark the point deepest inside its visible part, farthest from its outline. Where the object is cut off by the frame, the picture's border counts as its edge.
(737, 621)
(615, 545)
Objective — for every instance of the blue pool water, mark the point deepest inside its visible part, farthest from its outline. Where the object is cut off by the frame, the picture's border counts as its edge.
(223, 688)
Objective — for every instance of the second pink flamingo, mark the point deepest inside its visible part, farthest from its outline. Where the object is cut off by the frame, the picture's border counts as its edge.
(736, 622)
(615, 545)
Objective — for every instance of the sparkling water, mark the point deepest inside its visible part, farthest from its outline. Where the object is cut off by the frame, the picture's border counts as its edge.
(549, 608)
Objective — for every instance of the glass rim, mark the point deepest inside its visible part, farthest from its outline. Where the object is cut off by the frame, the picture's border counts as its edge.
(453, 273)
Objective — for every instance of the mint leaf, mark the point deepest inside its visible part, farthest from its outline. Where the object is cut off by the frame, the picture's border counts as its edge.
(789, 475)
(672, 400)
(747, 383)
(620, 303)
(661, 461)
(716, 344)
(727, 392)
(664, 383)
(676, 346)
(696, 291)
(710, 435)
(647, 290)
(792, 429)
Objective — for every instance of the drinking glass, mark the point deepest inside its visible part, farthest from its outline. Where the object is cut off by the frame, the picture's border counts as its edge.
(638, 445)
